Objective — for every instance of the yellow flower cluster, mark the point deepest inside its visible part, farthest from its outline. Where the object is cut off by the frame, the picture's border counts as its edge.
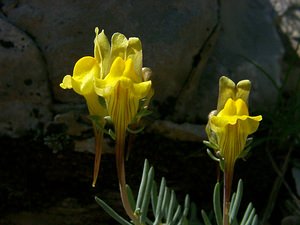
(114, 73)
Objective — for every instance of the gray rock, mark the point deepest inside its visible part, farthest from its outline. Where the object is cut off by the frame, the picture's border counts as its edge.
(88, 145)
(288, 19)
(178, 132)
(188, 45)
(171, 32)
(24, 90)
(248, 36)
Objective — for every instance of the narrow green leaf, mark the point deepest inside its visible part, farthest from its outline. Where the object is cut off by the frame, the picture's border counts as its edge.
(144, 112)
(193, 218)
(183, 221)
(186, 205)
(247, 213)
(130, 197)
(177, 214)
(255, 220)
(251, 217)
(222, 163)
(232, 201)
(165, 203)
(142, 185)
(236, 203)
(210, 145)
(112, 134)
(111, 212)
(211, 155)
(161, 195)
(147, 195)
(135, 131)
(205, 218)
(217, 204)
(154, 197)
(171, 207)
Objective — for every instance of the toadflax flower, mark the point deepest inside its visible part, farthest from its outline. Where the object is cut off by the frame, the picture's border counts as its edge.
(231, 126)
(88, 68)
(114, 74)
(122, 90)
(228, 128)
(85, 71)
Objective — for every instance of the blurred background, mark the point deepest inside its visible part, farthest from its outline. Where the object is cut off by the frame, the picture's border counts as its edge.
(46, 139)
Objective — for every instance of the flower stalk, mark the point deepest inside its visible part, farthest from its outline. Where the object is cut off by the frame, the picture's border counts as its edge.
(114, 74)
(228, 174)
(228, 129)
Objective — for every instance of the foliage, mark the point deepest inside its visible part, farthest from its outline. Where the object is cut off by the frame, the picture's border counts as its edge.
(161, 203)
(249, 217)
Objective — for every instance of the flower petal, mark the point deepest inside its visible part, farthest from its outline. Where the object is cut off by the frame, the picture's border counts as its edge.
(119, 45)
(94, 106)
(85, 70)
(241, 107)
(232, 112)
(134, 52)
(250, 125)
(130, 71)
(229, 109)
(102, 52)
(67, 82)
(142, 89)
(105, 87)
(243, 88)
(228, 89)
(116, 70)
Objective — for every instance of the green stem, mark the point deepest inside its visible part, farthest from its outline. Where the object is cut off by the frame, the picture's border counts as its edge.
(228, 174)
(98, 152)
(120, 144)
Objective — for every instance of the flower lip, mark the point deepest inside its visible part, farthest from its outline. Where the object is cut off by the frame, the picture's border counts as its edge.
(232, 112)
(122, 73)
(85, 71)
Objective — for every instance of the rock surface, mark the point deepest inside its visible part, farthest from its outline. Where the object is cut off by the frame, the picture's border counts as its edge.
(247, 37)
(24, 90)
(188, 45)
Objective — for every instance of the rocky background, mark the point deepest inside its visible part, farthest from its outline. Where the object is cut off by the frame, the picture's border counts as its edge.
(187, 44)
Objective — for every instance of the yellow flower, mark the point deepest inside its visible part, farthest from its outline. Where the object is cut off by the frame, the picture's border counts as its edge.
(85, 71)
(120, 47)
(88, 68)
(227, 89)
(232, 125)
(115, 73)
(228, 128)
(122, 89)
